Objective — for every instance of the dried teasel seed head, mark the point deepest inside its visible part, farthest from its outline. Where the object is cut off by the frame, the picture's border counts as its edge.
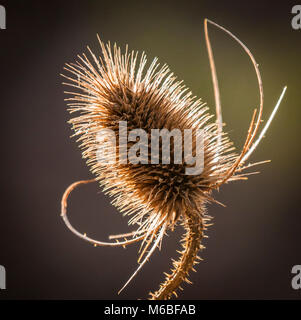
(119, 89)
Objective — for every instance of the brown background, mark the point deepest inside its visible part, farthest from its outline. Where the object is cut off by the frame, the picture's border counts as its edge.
(255, 240)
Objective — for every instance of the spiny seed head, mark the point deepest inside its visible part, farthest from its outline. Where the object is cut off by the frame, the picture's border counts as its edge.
(117, 88)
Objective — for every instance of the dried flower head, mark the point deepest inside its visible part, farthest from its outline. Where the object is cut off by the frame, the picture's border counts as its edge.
(156, 196)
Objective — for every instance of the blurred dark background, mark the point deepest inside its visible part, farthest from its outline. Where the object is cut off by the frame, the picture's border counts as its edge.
(255, 240)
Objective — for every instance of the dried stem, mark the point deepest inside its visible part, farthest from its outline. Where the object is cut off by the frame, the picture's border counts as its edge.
(192, 244)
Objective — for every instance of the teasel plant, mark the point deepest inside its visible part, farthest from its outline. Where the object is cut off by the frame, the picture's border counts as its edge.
(156, 197)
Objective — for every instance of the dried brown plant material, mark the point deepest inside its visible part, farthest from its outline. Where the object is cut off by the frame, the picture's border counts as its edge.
(155, 196)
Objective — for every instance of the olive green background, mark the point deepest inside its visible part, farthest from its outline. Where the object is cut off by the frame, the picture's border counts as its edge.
(255, 240)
